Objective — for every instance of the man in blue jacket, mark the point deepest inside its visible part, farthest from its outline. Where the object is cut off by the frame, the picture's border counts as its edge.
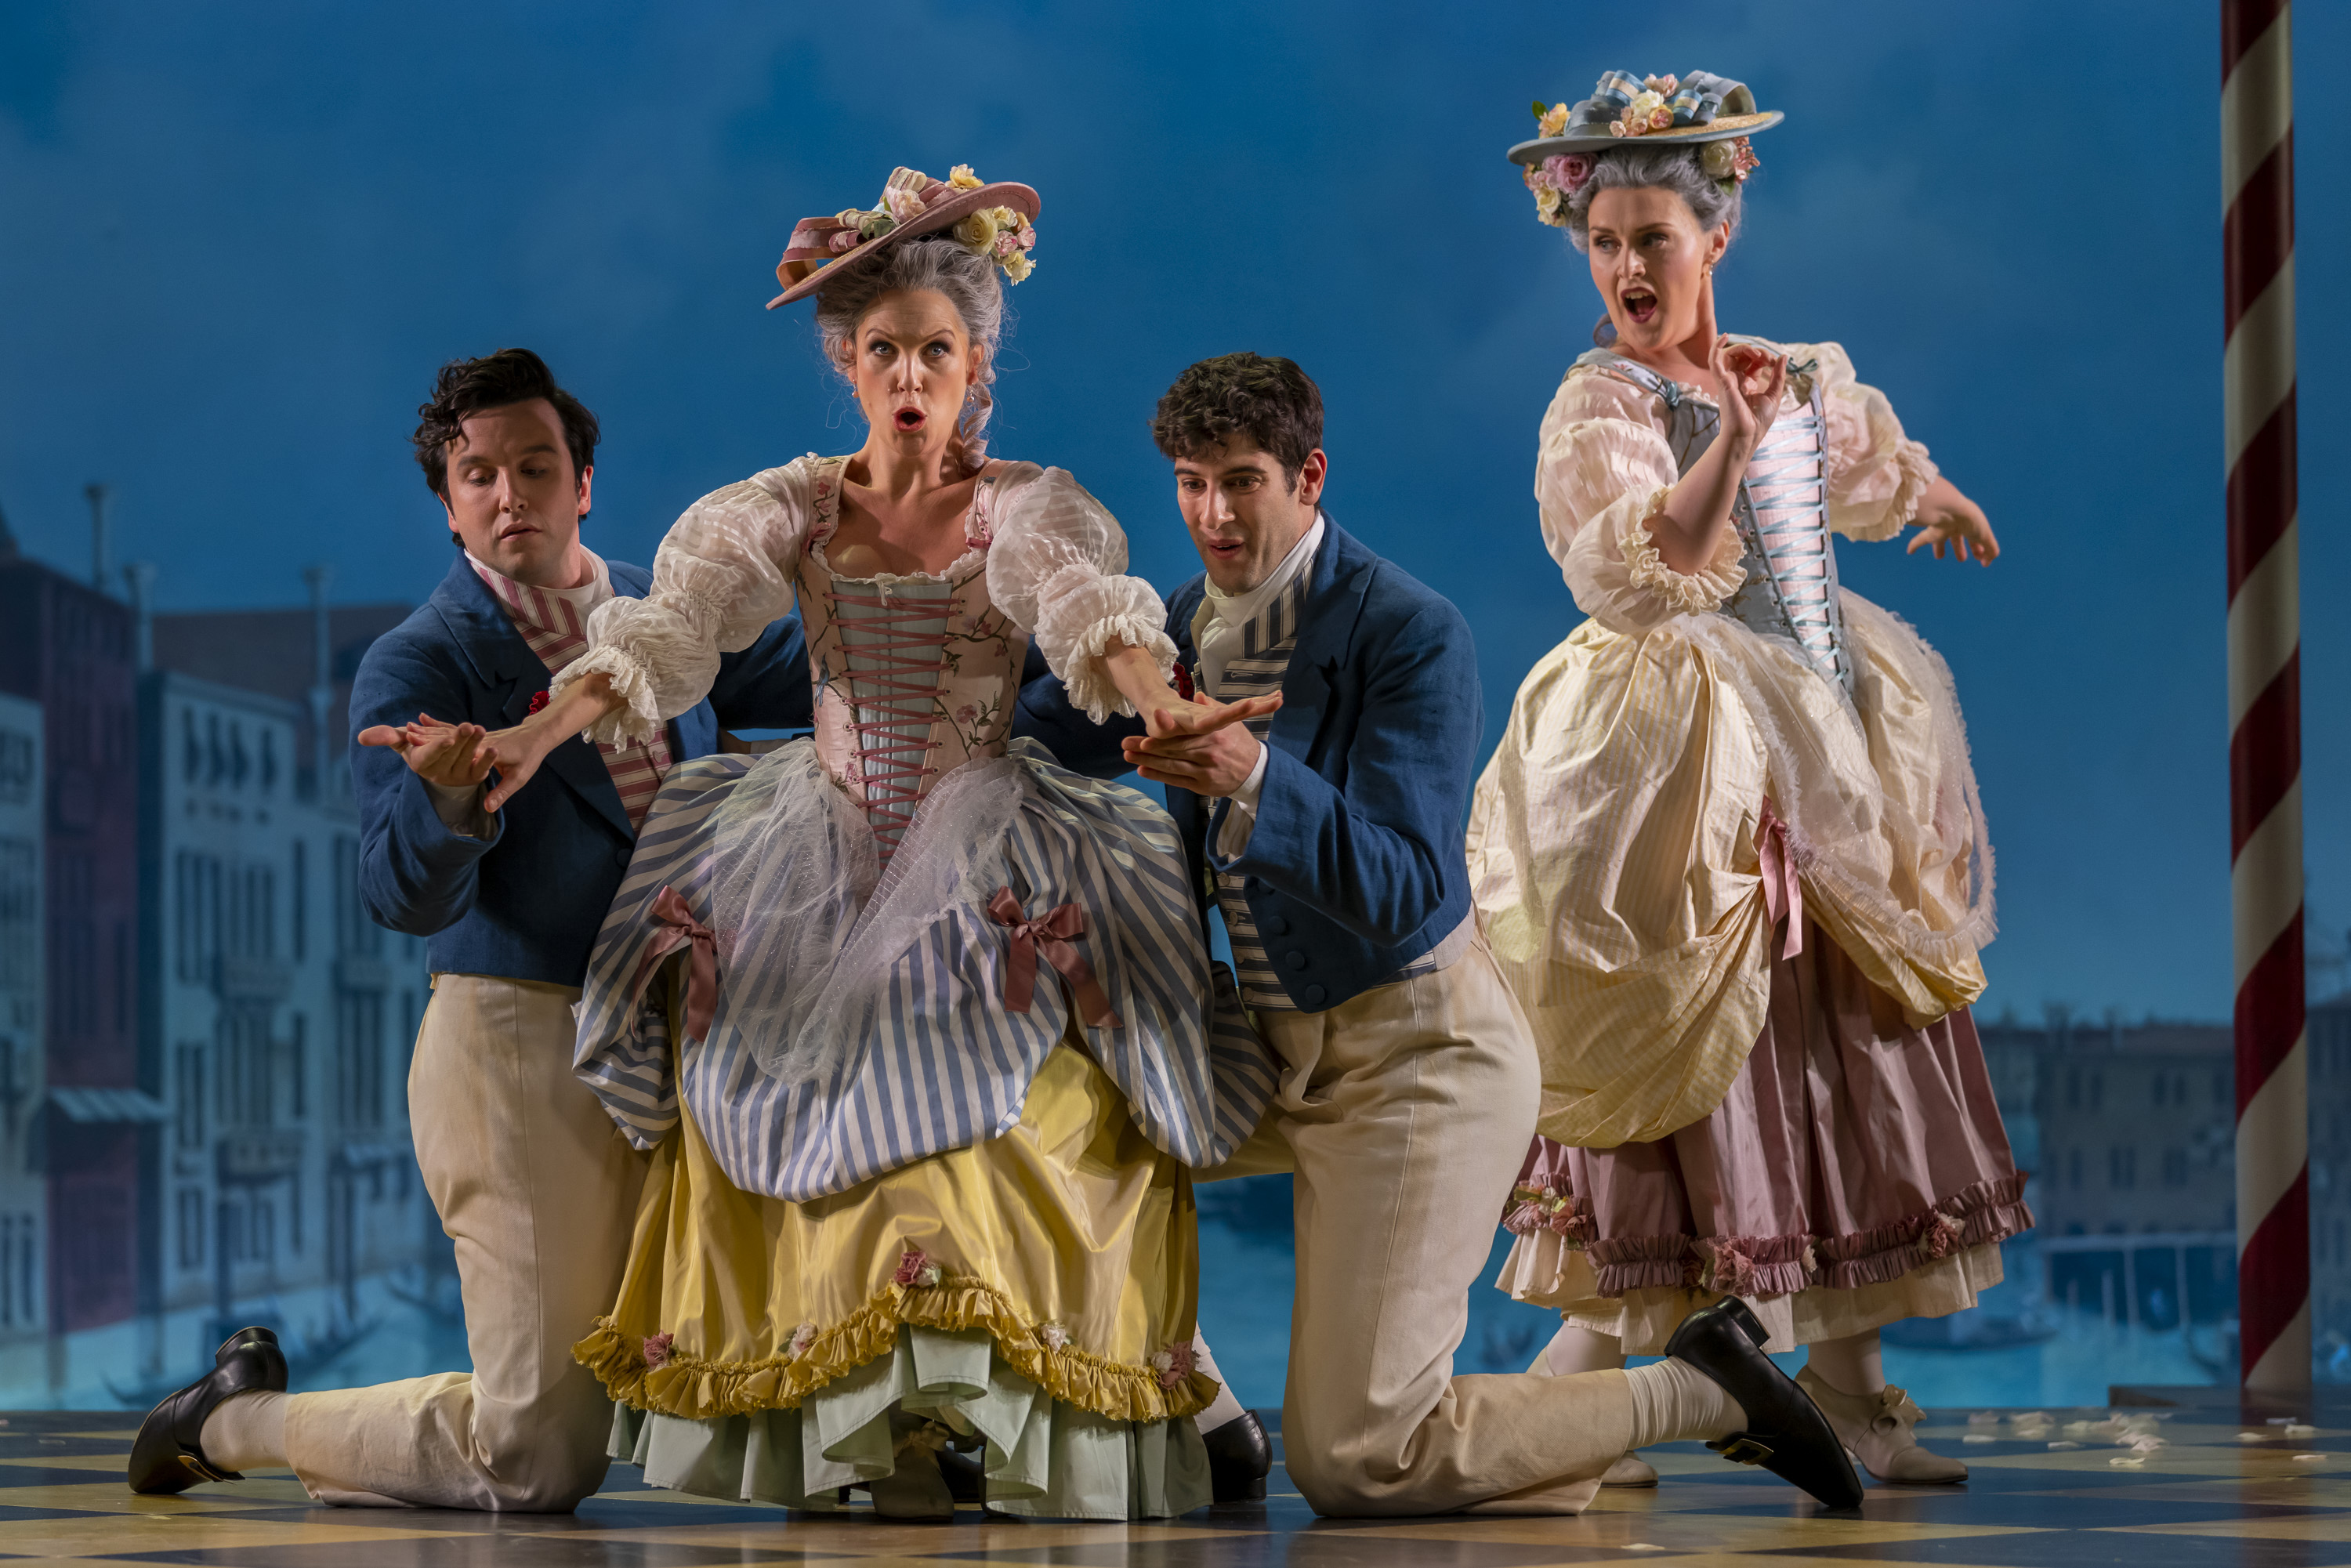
(1330, 838)
(532, 1181)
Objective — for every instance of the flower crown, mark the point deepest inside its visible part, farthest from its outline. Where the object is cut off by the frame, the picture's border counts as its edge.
(1001, 233)
(1661, 103)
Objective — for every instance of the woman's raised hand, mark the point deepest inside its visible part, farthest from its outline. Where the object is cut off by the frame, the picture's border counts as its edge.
(1203, 714)
(435, 751)
(1752, 380)
(1203, 745)
(1949, 520)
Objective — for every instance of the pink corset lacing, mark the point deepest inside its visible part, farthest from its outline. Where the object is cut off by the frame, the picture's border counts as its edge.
(902, 669)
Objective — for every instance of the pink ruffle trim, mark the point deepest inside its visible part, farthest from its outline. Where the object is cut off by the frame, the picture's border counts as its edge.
(1985, 1212)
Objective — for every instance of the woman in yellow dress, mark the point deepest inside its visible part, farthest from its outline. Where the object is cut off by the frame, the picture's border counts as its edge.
(1729, 850)
(919, 1027)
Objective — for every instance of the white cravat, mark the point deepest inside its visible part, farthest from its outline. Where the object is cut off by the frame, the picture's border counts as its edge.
(1216, 628)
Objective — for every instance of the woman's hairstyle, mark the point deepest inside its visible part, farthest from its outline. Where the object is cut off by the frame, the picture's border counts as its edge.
(968, 278)
(1271, 401)
(1674, 169)
(468, 387)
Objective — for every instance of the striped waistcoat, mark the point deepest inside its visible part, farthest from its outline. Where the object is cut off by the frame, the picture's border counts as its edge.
(554, 628)
(1267, 643)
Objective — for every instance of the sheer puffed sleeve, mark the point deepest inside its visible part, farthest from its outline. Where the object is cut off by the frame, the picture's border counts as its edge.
(1057, 564)
(1877, 474)
(724, 574)
(1603, 470)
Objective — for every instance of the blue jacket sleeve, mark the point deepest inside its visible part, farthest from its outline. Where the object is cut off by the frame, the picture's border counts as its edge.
(415, 874)
(766, 686)
(1377, 857)
(1044, 714)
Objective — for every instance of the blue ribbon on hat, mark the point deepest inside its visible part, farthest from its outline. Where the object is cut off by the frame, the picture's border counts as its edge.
(1695, 99)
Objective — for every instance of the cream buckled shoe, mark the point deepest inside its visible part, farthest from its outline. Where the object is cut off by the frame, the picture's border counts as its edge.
(1878, 1433)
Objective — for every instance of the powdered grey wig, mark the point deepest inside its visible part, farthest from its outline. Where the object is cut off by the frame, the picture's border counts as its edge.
(1674, 169)
(940, 263)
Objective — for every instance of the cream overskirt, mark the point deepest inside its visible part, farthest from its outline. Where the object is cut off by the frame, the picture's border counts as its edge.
(1614, 854)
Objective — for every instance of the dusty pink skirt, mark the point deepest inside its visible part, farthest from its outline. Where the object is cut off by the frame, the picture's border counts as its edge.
(1856, 1172)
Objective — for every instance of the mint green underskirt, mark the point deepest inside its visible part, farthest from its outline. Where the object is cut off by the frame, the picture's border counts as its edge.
(1044, 1459)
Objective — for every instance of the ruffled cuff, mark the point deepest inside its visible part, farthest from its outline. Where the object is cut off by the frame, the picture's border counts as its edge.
(638, 718)
(1092, 690)
(1703, 590)
(1082, 613)
(1915, 472)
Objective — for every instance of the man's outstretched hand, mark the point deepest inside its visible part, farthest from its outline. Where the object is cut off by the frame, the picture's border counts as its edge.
(437, 752)
(1203, 746)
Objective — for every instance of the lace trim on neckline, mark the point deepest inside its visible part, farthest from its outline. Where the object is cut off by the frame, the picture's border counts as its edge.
(831, 476)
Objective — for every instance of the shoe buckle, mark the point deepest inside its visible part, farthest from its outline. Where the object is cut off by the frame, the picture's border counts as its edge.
(1742, 1449)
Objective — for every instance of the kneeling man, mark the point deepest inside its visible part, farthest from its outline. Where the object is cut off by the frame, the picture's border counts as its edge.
(1332, 832)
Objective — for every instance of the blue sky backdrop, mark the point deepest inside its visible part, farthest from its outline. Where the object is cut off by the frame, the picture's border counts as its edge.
(239, 237)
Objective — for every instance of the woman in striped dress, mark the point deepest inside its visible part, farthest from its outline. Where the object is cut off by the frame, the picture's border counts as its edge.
(919, 1025)
(1729, 850)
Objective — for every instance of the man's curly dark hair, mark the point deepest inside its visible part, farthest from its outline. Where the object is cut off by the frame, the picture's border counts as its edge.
(1271, 401)
(468, 387)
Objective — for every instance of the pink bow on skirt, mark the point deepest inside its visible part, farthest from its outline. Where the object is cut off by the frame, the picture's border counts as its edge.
(680, 927)
(1052, 933)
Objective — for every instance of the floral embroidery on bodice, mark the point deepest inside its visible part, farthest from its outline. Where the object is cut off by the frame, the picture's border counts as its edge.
(915, 674)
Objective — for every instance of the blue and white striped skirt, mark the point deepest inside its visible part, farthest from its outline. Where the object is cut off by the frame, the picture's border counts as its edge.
(861, 1019)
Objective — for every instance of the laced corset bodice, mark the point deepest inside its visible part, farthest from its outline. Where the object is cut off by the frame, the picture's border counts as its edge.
(915, 674)
(1789, 561)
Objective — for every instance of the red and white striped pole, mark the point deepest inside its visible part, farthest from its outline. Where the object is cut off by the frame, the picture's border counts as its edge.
(2264, 694)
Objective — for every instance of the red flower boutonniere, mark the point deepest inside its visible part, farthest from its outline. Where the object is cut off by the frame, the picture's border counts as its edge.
(1182, 682)
(538, 701)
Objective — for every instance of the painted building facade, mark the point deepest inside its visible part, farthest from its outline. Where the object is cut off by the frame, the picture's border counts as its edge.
(282, 1018)
(70, 650)
(24, 1184)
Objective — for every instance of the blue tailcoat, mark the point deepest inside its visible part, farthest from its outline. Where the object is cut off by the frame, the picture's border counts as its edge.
(525, 903)
(1355, 866)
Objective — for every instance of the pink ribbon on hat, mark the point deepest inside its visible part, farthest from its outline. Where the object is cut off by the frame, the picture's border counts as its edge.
(1783, 892)
(818, 240)
(678, 928)
(1053, 934)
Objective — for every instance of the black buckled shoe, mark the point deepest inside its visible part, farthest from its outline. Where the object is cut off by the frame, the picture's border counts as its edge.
(169, 1456)
(1240, 1456)
(1786, 1433)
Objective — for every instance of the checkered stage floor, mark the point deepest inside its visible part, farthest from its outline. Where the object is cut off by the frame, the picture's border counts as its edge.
(2205, 1496)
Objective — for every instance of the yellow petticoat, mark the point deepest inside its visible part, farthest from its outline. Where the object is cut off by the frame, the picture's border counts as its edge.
(1068, 1239)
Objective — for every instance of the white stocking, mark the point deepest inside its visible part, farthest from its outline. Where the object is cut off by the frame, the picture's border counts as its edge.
(247, 1431)
(1850, 1365)
(1674, 1402)
(1580, 1350)
(1224, 1408)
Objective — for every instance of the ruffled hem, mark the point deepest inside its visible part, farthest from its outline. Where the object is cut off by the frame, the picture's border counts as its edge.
(1545, 1272)
(639, 719)
(1986, 1212)
(1042, 1458)
(1688, 592)
(701, 1390)
(1087, 685)
(1981, 1215)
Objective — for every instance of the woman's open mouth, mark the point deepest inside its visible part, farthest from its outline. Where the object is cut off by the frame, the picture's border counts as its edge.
(909, 419)
(1640, 304)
